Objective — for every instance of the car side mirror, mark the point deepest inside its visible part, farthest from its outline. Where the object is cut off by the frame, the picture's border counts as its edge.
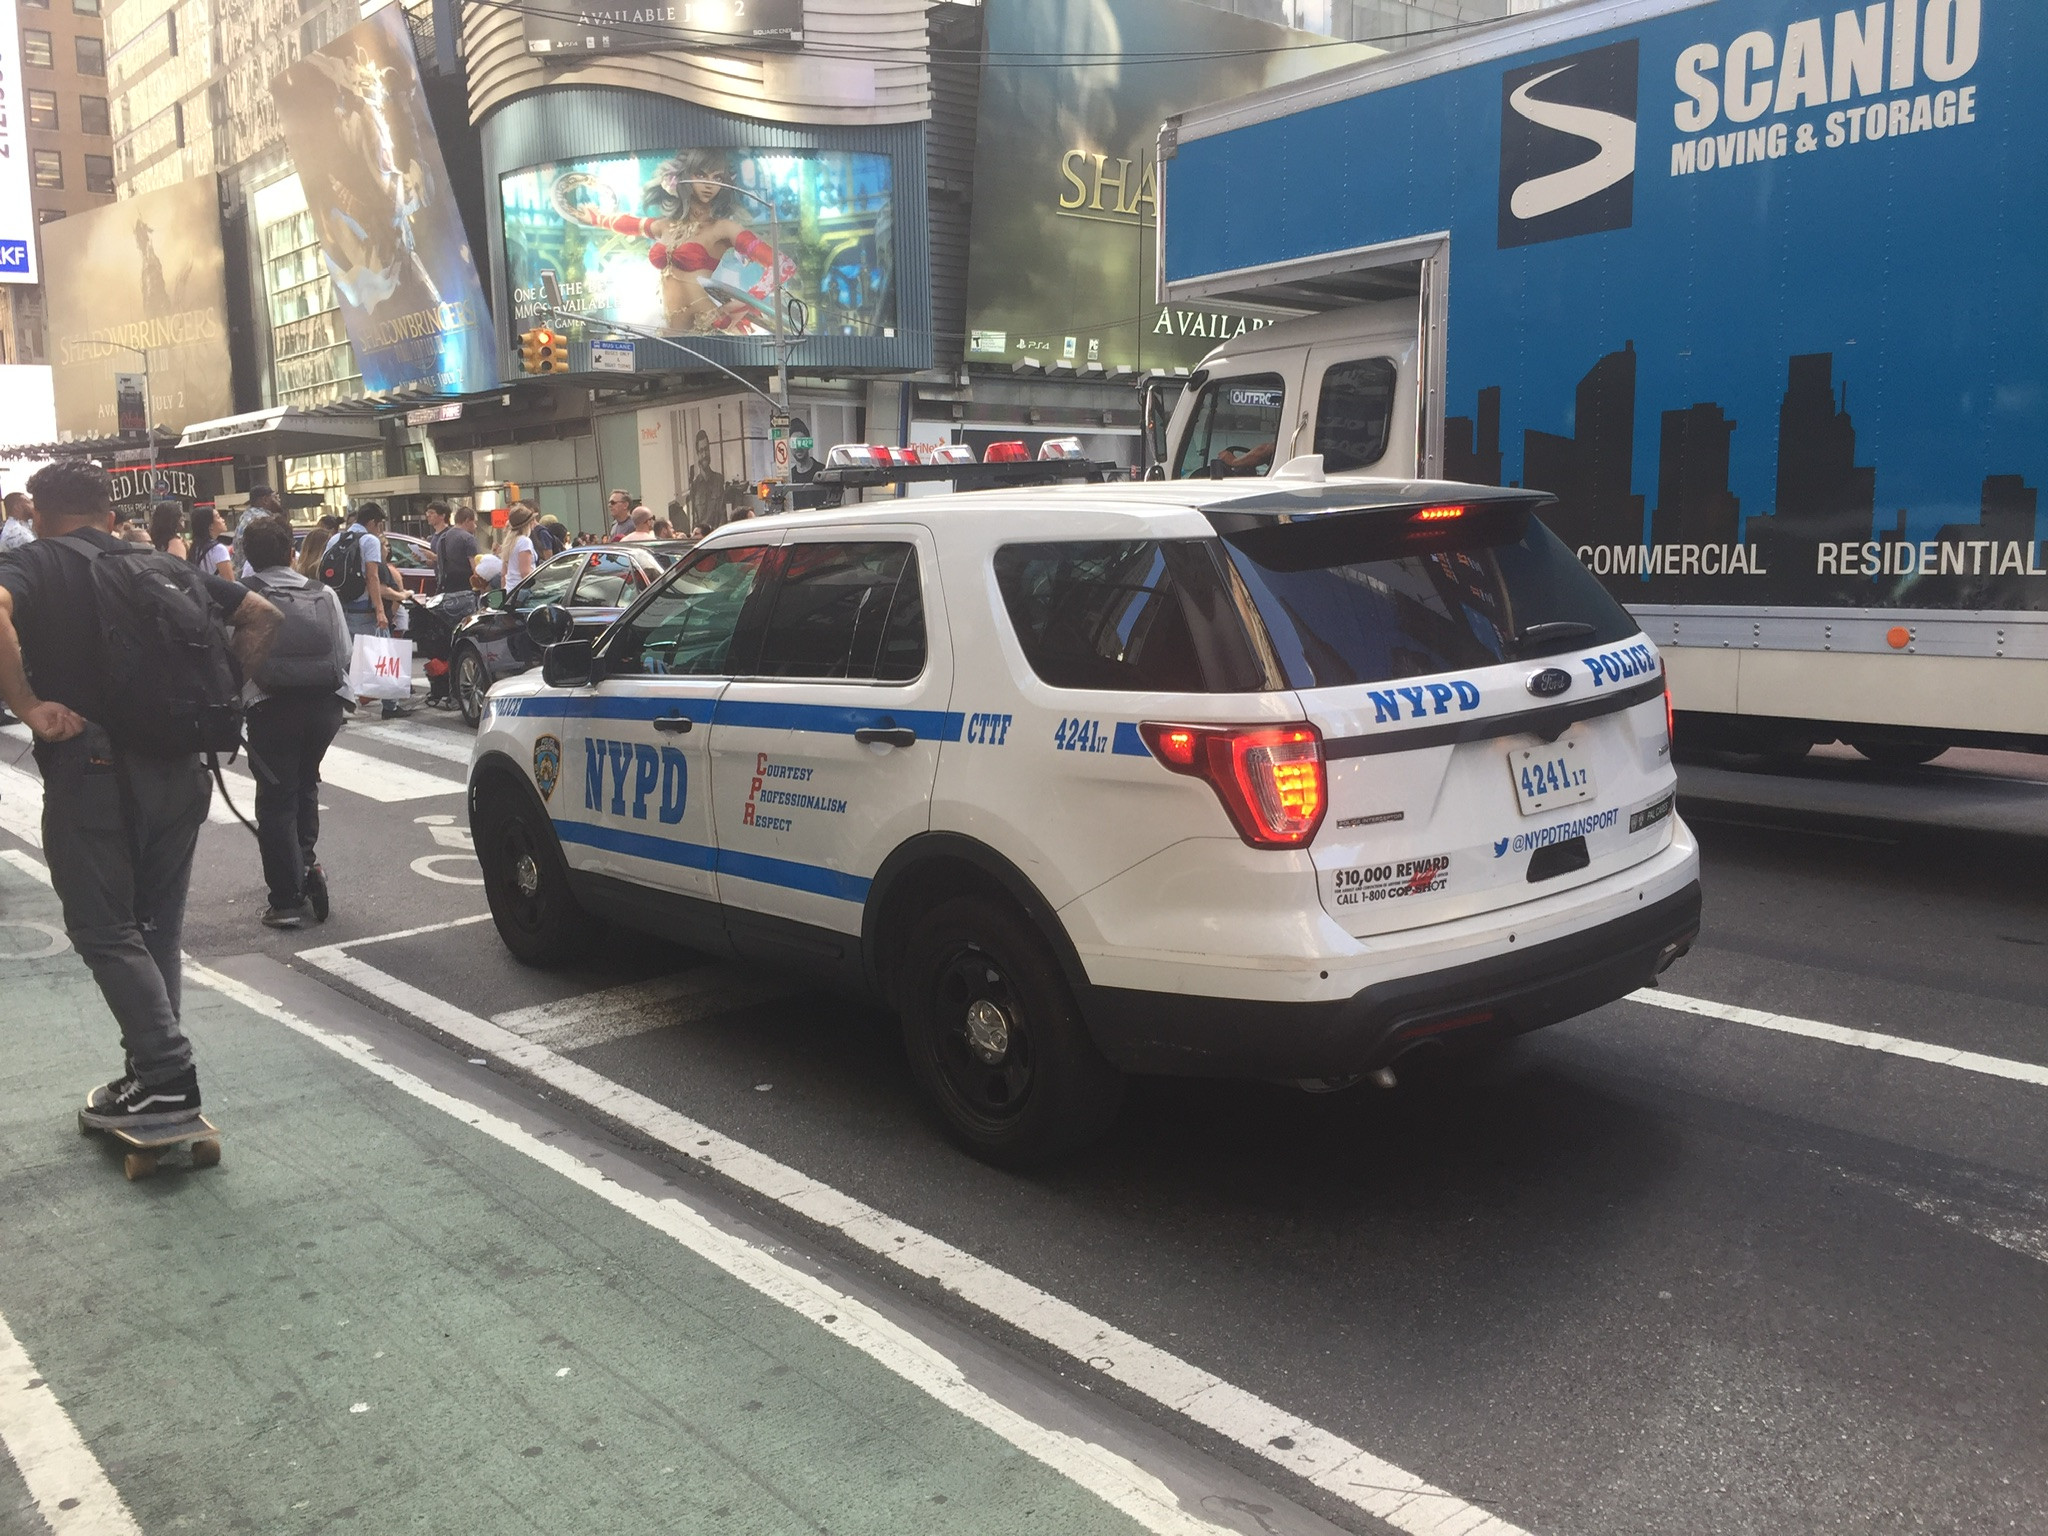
(568, 664)
(550, 625)
(493, 598)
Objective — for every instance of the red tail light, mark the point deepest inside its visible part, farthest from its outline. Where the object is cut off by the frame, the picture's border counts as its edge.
(1271, 779)
(1670, 722)
(1437, 515)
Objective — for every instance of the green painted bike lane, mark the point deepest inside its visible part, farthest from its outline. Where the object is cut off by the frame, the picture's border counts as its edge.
(374, 1316)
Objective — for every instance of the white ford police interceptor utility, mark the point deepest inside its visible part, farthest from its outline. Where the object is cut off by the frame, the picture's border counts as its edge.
(1281, 781)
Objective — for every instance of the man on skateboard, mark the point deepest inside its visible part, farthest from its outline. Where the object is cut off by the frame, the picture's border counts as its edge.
(120, 728)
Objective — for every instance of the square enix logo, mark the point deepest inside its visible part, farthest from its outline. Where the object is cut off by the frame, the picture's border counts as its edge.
(13, 255)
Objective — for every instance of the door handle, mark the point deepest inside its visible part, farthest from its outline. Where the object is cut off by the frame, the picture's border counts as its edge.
(677, 724)
(887, 735)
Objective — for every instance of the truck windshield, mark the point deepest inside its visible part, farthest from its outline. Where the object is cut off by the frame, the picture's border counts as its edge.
(1356, 599)
(1235, 428)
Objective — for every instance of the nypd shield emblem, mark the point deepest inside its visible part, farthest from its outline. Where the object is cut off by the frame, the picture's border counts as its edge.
(547, 765)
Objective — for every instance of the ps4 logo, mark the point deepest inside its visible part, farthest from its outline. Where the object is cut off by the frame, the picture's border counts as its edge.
(1568, 146)
(13, 255)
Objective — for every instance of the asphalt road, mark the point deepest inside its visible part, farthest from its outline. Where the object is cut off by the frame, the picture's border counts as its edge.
(1656, 1271)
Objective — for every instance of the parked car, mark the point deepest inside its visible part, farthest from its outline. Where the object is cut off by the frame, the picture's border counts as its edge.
(405, 554)
(594, 584)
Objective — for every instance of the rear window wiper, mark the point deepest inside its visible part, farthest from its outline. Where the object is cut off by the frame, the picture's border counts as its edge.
(1539, 637)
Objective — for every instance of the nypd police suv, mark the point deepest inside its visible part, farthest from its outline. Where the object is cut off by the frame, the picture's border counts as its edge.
(1281, 779)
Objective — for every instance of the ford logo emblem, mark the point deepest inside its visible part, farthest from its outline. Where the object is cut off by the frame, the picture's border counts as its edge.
(1550, 682)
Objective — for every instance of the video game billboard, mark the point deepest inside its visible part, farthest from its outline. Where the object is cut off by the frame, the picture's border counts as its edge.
(355, 119)
(661, 240)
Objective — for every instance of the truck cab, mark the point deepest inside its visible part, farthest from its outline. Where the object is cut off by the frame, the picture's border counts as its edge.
(1344, 385)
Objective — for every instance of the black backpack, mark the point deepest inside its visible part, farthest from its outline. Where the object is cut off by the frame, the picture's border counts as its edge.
(302, 653)
(341, 568)
(172, 686)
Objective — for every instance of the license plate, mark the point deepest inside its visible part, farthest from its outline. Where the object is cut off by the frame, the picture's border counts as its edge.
(1547, 777)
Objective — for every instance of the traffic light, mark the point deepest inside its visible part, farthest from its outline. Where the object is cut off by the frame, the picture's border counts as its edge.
(543, 351)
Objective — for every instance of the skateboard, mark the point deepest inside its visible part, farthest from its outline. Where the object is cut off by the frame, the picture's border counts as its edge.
(147, 1144)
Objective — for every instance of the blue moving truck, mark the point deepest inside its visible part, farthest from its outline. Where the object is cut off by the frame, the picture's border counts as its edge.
(1759, 289)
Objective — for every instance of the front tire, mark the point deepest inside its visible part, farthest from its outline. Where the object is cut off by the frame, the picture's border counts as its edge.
(471, 680)
(526, 881)
(995, 1039)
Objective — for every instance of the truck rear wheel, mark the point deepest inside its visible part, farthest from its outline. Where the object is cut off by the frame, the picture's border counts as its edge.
(526, 880)
(995, 1040)
(1901, 754)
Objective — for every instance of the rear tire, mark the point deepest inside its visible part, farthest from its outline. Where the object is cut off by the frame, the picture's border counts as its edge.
(1900, 754)
(995, 1040)
(526, 881)
(469, 680)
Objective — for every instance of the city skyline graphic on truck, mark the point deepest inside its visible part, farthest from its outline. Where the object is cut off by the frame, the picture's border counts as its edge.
(1754, 287)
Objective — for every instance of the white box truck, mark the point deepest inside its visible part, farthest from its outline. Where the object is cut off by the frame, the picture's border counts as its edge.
(1758, 288)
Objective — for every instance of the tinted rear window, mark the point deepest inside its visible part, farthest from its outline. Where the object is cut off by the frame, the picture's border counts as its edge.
(1138, 616)
(1354, 599)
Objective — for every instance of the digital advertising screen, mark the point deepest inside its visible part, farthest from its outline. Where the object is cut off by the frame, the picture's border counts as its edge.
(692, 242)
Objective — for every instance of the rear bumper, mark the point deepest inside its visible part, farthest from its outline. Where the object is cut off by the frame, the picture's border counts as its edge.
(1487, 999)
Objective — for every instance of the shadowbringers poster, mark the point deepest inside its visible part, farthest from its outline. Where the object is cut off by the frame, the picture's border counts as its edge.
(144, 273)
(355, 118)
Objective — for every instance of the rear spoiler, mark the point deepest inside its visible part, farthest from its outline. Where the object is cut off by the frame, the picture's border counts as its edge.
(1422, 502)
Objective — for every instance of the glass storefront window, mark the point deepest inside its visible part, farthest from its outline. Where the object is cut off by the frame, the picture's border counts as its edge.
(311, 361)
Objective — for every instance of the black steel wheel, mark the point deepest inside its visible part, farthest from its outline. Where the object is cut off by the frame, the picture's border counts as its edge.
(526, 880)
(995, 1039)
(471, 680)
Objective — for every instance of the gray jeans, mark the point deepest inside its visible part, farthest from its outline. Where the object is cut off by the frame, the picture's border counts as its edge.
(119, 836)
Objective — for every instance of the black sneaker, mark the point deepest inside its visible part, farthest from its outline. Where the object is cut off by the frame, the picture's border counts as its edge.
(316, 892)
(288, 917)
(126, 1102)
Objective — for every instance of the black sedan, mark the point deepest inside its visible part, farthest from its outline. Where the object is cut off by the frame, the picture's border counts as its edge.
(594, 584)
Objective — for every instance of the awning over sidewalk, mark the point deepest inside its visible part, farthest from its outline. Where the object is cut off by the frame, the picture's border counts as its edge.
(285, 432)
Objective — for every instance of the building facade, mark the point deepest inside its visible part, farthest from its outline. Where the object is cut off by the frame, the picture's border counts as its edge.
(70, 139)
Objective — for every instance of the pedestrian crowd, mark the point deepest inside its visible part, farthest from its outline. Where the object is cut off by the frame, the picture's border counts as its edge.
(141, 652)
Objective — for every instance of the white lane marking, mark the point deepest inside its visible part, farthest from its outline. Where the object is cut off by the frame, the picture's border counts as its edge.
(1378, 1487)
(375, 779)
(426, 867)
(69, 1486)
(1835, 1034)
(427, 740)
(35, 869)
(21, 805)
(1115, 1480)
(413, 933)
(577, 1023)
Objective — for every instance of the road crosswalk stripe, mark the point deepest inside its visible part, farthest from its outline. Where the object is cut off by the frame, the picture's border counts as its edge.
(427, 740)
(376, 779)
(617, 1013)
(21, 805)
